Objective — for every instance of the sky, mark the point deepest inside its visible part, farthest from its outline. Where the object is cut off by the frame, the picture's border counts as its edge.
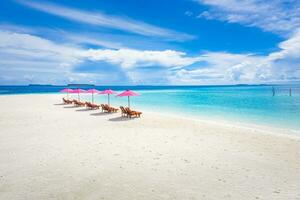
(149, 42)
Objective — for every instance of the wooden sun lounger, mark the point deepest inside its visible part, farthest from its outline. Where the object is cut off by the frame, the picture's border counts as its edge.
(66, 101)
(74, 101)
(130, 113)
(88, 105)
(107, 108)
(124, 112)
(70, 101)
(103, 108)
(91, 105)
(78, 103)
(113, 109)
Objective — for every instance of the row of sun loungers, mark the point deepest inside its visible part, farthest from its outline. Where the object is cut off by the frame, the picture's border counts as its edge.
(126, 112)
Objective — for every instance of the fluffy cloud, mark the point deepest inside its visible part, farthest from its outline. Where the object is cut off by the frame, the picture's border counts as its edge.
(129, 58)
(43, 60)
(222, 67)
(29, 47)
(30, 58)
(277, 16)
(281, 17)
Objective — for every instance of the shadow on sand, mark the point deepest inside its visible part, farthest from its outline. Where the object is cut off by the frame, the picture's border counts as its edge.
(120, 119)
(70, 107)
(83, 109)
(100, 114)
(59, 104)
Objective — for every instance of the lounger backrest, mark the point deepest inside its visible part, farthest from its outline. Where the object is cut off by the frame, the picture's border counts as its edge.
(122, 109)
(127, 110)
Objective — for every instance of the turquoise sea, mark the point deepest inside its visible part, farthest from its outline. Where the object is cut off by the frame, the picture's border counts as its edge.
(253, 104)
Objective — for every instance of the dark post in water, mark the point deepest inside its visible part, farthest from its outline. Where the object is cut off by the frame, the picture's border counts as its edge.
(273, 91)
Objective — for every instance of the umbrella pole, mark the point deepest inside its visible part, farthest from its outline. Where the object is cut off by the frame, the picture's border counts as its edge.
(68, 95)
(128, 102)
(108, 99)
(78, 97)
(93, 97)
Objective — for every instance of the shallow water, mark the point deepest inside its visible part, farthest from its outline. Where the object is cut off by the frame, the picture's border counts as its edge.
(245, 104)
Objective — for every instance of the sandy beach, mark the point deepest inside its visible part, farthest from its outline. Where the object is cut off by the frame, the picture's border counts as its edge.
(54, 151)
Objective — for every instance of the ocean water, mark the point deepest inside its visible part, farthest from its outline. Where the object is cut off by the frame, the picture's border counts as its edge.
(244, 104)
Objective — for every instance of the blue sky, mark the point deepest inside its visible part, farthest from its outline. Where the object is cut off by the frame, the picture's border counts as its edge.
(179, 42)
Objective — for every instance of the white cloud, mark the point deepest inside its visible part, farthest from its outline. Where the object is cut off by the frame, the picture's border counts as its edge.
(27, 57)
(289, 48)
(129, 58)
(100, 19)
(44, 60)
(28, 46)
(228, 68)
(278, 16)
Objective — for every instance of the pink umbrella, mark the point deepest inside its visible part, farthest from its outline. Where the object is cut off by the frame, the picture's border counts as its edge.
(78, 91)
(92, 91)
(67, 90)
(108, 92)
(128, 93)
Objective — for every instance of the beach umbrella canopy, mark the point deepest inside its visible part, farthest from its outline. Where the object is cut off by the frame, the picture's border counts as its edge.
(128, 93)
(92, 91)
(67, 90)
(108, 92)
(78, 91)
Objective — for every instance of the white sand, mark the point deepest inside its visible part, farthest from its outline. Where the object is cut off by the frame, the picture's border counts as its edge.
(50, 151)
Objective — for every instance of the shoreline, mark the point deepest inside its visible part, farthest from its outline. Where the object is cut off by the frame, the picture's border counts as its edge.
(278, 131)
(290, 133)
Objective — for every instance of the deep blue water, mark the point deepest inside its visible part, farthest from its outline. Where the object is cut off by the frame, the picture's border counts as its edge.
(245, 104)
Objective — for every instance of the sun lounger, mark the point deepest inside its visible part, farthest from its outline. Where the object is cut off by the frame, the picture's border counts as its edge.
(88, 105)
(70, 101)
(78, 103)
(107, 108)
(74, 101)
(91, 105)
(132, 113)
(103, 108)
(95, 106)
(113, 109)
(66, 101)
(124, 112)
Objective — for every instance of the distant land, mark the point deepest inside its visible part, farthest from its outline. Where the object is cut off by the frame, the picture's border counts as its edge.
(72, 85)
(40, 85)
(69, 85)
